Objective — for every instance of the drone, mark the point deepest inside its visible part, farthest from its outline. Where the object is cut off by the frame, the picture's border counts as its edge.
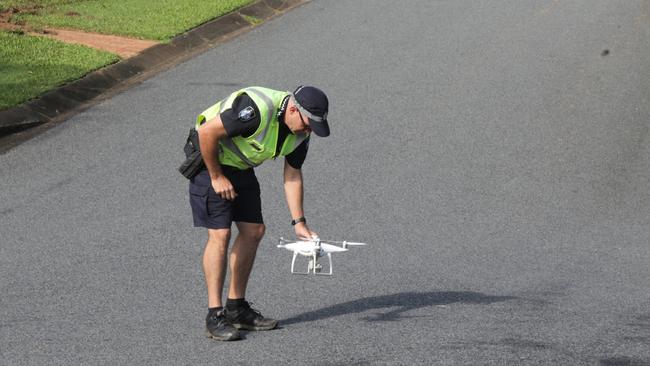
(314, 249)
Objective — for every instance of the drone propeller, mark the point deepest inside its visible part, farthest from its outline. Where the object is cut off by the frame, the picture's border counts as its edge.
(309, 247)
(324, 241)
(344, 244)
(328, 248)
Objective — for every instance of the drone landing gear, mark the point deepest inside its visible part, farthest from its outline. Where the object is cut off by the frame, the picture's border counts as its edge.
(313, 266)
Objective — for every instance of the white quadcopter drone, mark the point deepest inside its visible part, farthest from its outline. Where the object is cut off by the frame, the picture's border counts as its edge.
(314, 249)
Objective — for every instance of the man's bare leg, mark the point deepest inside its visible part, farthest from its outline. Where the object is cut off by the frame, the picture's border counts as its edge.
(215, 263)
(242, 257)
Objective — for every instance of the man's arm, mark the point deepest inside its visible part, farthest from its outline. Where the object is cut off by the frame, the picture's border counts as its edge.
(209, 135)
(293, 190)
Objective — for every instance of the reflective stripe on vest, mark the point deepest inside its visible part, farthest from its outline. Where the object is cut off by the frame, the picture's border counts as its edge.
(247, 152)
(269, 117)
(231, 145)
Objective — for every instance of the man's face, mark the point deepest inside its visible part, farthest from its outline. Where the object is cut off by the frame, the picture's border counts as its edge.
(296, 122)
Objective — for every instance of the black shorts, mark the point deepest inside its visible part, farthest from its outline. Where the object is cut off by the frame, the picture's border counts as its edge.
(211, 211)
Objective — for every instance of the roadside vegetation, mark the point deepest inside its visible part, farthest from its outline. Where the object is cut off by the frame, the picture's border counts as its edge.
(158, 20)
(31, 65)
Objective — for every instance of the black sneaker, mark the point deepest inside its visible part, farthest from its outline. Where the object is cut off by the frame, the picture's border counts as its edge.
(220, 328)
(245, 317)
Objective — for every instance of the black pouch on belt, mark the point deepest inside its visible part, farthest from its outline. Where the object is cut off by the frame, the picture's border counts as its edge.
(194, 162)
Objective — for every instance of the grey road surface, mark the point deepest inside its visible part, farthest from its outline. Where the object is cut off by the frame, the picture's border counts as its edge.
(494, 153)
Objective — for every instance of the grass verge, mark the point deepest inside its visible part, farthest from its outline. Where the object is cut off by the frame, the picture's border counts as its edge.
(30, 66)
(33, 65)
(156, 20)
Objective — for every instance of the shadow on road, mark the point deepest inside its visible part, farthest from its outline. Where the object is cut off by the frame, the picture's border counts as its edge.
(404, 302)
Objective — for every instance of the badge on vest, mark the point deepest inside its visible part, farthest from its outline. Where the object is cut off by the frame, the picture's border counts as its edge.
(246, 114)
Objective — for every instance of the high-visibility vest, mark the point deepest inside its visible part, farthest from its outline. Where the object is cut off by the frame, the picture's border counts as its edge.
(248, 152)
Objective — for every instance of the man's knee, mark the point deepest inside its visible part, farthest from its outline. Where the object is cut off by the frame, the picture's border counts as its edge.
(252, 232)
(219, 237)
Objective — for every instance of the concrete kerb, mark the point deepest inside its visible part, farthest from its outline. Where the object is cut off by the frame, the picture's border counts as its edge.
(63, 102)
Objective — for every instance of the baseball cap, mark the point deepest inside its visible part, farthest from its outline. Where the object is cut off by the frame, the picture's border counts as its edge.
(313, 104)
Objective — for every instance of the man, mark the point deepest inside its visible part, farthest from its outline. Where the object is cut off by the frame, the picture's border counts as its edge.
(235, 135)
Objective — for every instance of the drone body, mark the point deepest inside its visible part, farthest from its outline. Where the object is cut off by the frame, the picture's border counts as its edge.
(313, 250)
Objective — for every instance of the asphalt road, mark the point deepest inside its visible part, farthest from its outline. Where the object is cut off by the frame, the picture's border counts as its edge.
(494, 153)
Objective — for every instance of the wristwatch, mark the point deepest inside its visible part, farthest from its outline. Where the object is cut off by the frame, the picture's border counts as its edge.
(300, 219)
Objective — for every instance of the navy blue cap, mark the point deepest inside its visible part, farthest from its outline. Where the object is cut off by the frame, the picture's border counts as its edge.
(313, 103)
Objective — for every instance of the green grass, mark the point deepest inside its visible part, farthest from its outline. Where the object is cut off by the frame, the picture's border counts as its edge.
(30, 66)
(147, 19)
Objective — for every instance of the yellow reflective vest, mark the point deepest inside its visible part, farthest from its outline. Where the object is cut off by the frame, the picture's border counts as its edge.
(248, 152)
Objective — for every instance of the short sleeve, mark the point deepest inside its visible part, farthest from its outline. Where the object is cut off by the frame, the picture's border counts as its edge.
(242, 119)
(297, 157)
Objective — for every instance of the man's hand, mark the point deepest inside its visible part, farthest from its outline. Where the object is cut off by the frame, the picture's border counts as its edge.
(209, 135)
(224, 188)
(303, 232)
